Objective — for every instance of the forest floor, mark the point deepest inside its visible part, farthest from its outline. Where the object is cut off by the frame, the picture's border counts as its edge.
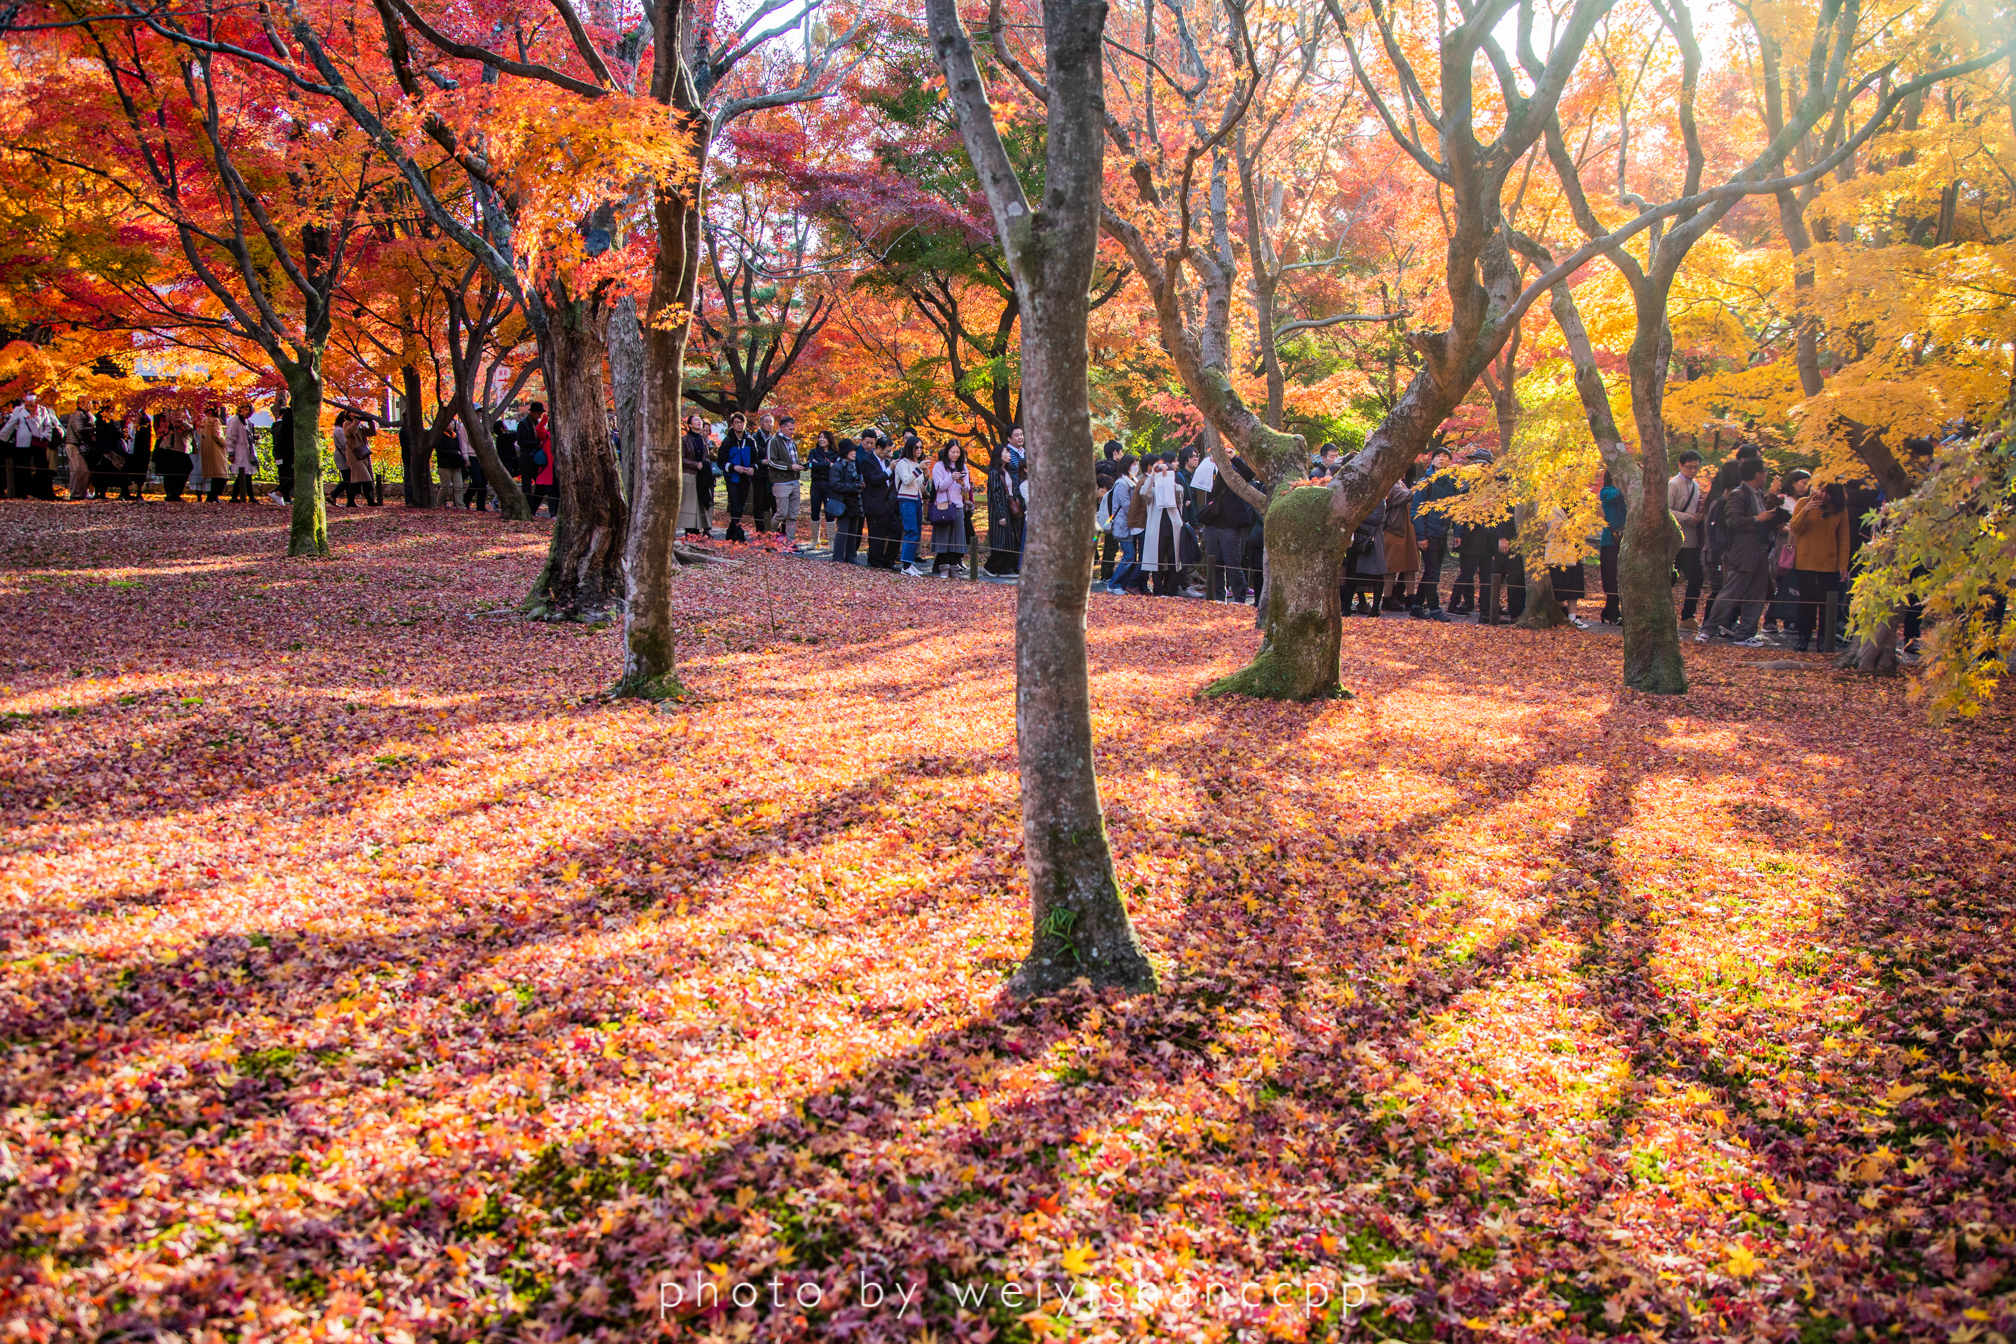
(363, 974)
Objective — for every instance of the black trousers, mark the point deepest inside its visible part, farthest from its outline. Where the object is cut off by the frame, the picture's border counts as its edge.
(32, 477)
(241, 487)
(1688, 562)
(847, 544)
(1226, 546)
(1812, 586)
(1474, 576)
(882, 541)
(1607, 564)
(173, 483)
(285, 471)
(738, 500)
(1428, 593)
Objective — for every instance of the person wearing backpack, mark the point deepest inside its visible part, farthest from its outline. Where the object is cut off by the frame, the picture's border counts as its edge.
(1226, 519)
(541, 461)
(737, 456)
(1751, 519)
(1105, 473)
(1127, 509)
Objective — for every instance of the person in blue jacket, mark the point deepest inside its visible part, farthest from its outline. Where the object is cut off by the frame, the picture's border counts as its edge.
(1606, 547)
(1431, 529)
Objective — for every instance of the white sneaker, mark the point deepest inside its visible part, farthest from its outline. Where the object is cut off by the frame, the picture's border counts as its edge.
(1756, 642)
(1578, 622)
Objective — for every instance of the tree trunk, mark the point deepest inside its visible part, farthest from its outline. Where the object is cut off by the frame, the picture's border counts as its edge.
(419, 460)
(1305, 553)
(308, 533)
(1081, 928)
(1651, 538)
(626, 376)
(583, 577)
(510, 499)
(649, 643)
(1543, 610)
(1081, 923)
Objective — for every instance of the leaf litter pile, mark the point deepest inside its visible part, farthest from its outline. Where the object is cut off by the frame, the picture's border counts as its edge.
(366, 976)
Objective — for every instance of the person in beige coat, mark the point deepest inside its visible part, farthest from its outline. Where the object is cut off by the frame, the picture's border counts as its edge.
(213, 460)
(78, 427)
(358, 452)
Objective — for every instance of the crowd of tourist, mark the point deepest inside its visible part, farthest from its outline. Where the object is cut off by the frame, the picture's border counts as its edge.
(1760, 552)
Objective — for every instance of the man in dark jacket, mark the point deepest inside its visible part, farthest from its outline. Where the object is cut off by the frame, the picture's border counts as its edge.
(878, 500)
(1751, 517)
(1431, 529)
(1227, 521)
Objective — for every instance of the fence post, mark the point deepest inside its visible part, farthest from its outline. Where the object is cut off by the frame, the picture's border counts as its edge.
(973, 553)
(1489, 614)
(1830, 617)
(1210, 573)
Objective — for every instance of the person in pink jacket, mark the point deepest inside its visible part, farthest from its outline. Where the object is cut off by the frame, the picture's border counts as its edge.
(244, 457)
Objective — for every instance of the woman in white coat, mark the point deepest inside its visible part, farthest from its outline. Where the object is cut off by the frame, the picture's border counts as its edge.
(1162, 542)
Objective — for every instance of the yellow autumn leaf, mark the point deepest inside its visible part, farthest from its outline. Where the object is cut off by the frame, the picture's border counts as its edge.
(1742, 1263)
(1077, 1258)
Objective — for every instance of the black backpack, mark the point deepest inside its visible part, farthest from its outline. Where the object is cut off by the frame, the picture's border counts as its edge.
(1717, 536)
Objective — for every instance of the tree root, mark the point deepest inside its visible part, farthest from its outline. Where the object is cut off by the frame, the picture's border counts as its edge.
(667, 687)
(689, 556)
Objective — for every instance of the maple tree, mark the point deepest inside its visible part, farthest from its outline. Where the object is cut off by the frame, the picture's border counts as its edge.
(263, 204)
(1306, 528)
(1050, 241)
(439, 1023)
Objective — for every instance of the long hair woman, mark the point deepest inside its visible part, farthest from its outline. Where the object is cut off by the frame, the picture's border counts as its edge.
(951, 502)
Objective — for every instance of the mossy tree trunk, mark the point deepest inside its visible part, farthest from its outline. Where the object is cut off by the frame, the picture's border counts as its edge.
(1298, 658)
(1080, 922)
(653, 462)
(308, 530)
